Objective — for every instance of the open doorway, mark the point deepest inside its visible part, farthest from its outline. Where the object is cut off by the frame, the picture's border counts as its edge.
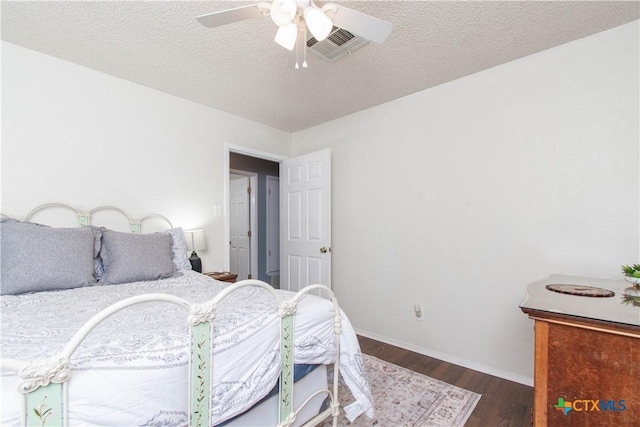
(259, 247)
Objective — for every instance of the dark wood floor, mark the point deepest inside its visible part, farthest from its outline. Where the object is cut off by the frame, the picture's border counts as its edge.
(503, 402)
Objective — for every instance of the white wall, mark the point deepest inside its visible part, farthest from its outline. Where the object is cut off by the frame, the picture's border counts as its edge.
(456, 197)
(459, 196)
(74, 135)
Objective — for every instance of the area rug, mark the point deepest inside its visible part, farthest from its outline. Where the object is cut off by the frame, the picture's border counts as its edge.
(406, 398)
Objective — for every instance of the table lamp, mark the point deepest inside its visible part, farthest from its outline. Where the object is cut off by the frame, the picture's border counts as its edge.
(195, 241)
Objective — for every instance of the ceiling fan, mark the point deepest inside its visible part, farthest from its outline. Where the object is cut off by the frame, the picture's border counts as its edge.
(295, 17)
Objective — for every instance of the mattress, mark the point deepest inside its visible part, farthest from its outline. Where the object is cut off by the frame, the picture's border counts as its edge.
(133, 368)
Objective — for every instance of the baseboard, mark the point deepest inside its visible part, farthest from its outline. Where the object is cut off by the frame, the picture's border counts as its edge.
(450, 359)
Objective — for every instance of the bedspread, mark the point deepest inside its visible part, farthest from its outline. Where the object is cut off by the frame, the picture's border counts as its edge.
(133, 368)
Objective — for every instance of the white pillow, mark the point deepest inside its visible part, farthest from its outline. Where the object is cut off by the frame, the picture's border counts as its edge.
(179, 249)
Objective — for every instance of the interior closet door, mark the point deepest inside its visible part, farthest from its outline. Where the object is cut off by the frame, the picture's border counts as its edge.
(305, 221)
(239, 226)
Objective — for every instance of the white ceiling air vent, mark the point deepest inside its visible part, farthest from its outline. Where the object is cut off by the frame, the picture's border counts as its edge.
(339, 44)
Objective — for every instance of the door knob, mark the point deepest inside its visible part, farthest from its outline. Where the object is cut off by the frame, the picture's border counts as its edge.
(324, 250)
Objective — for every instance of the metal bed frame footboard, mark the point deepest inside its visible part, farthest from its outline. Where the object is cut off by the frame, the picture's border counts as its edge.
(44, 382)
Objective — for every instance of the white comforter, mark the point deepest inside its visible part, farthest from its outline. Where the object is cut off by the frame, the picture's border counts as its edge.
(133, 368)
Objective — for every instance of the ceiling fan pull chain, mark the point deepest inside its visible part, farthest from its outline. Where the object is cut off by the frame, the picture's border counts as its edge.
(304, 47)
(297, 47)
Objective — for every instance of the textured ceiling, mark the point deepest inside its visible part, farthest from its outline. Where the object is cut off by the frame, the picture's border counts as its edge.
(239, 69)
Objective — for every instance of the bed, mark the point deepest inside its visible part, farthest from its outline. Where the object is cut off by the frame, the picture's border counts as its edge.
(102, 327)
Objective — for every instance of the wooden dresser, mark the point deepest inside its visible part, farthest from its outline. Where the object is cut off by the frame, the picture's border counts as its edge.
(587, 355)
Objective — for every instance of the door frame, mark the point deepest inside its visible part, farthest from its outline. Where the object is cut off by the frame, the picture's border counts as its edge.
(239, 149)
(271, 218)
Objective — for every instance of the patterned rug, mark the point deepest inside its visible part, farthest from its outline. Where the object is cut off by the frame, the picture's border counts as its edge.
(406, 398)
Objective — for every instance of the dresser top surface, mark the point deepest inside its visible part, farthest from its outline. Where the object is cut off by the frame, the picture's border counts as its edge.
(616, 309)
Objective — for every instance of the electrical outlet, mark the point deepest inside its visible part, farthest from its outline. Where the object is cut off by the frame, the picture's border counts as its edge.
(417, 310)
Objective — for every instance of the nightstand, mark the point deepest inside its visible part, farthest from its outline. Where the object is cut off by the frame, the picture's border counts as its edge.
(222, 276)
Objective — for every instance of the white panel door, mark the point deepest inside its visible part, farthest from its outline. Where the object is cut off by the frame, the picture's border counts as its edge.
(305, 221)
(239, 226)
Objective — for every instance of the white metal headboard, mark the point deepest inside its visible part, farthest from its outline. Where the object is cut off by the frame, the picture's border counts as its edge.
(84, 216)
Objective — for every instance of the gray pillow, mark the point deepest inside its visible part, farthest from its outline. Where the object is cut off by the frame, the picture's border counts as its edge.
(130, 257)
(37, 258)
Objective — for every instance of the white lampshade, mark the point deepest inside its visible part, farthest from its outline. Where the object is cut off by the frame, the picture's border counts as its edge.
(318, 23)
(283, 11)
(195, 240)
(286, 36)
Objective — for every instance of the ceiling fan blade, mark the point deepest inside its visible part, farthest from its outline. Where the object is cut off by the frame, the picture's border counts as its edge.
(230, 16)
(361, 24)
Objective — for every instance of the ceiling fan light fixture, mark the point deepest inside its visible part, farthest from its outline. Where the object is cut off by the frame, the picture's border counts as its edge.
(287, 35)
(283, 11)
(318, 23)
